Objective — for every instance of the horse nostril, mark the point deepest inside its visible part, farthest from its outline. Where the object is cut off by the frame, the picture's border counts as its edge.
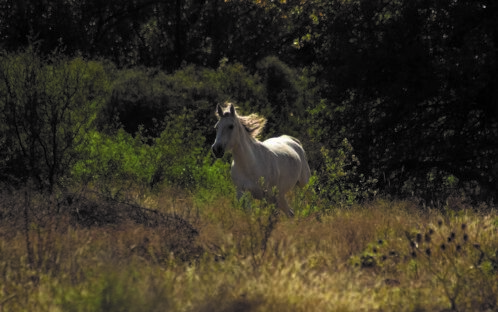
(218, 151)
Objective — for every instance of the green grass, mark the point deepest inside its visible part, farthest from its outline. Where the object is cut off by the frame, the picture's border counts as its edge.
(379, 256)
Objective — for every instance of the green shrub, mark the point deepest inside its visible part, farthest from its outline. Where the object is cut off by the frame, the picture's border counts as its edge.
(339, 181)
(112, 160)
(177, 157)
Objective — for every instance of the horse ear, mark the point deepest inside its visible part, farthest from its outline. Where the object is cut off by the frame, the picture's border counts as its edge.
(219, 111)
(232, 109)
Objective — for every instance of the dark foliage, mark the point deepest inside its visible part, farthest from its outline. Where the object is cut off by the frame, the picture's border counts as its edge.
(409, 83)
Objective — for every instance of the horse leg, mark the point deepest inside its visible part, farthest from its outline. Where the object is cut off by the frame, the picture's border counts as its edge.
(284, 206)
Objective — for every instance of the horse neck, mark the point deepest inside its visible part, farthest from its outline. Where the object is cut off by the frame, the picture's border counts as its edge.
(244, 151)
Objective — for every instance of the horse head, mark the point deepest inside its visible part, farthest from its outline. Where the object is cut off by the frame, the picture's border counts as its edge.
(227, 130)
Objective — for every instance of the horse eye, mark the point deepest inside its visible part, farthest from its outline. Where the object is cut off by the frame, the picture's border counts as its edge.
(230, 127)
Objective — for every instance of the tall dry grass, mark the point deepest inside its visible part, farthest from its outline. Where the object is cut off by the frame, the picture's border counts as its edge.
(174, 252)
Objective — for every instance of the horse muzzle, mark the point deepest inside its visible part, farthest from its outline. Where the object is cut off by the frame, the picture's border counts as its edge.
(218, 150)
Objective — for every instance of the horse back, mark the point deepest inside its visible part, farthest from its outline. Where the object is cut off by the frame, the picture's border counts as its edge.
(287, 146)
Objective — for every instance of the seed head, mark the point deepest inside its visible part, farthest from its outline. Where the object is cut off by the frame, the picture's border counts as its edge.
(439, 222)
(428, 252)
(414, 254)
(464, 226)
(427, 238)
(443, 246)
(419, 237)
(465, 237)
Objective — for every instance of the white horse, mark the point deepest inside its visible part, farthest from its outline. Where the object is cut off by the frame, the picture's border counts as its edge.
(259, 167)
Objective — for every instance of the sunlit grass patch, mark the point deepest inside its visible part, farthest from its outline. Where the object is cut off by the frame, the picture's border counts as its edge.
(383, 255)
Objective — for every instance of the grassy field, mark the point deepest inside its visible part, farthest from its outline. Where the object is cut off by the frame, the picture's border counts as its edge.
(176, 252)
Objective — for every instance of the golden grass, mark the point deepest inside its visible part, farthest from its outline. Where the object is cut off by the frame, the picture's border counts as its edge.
(380, 256)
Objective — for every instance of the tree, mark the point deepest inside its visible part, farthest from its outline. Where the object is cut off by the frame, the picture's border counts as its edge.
(46, 105)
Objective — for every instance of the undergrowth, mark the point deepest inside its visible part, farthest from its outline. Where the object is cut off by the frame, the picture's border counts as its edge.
(173, 250)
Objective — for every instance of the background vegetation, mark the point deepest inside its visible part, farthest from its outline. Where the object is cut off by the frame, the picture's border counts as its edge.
(411, 86)
(106, 119)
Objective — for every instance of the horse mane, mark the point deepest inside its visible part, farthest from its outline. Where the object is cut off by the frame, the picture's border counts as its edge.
(253, 123)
